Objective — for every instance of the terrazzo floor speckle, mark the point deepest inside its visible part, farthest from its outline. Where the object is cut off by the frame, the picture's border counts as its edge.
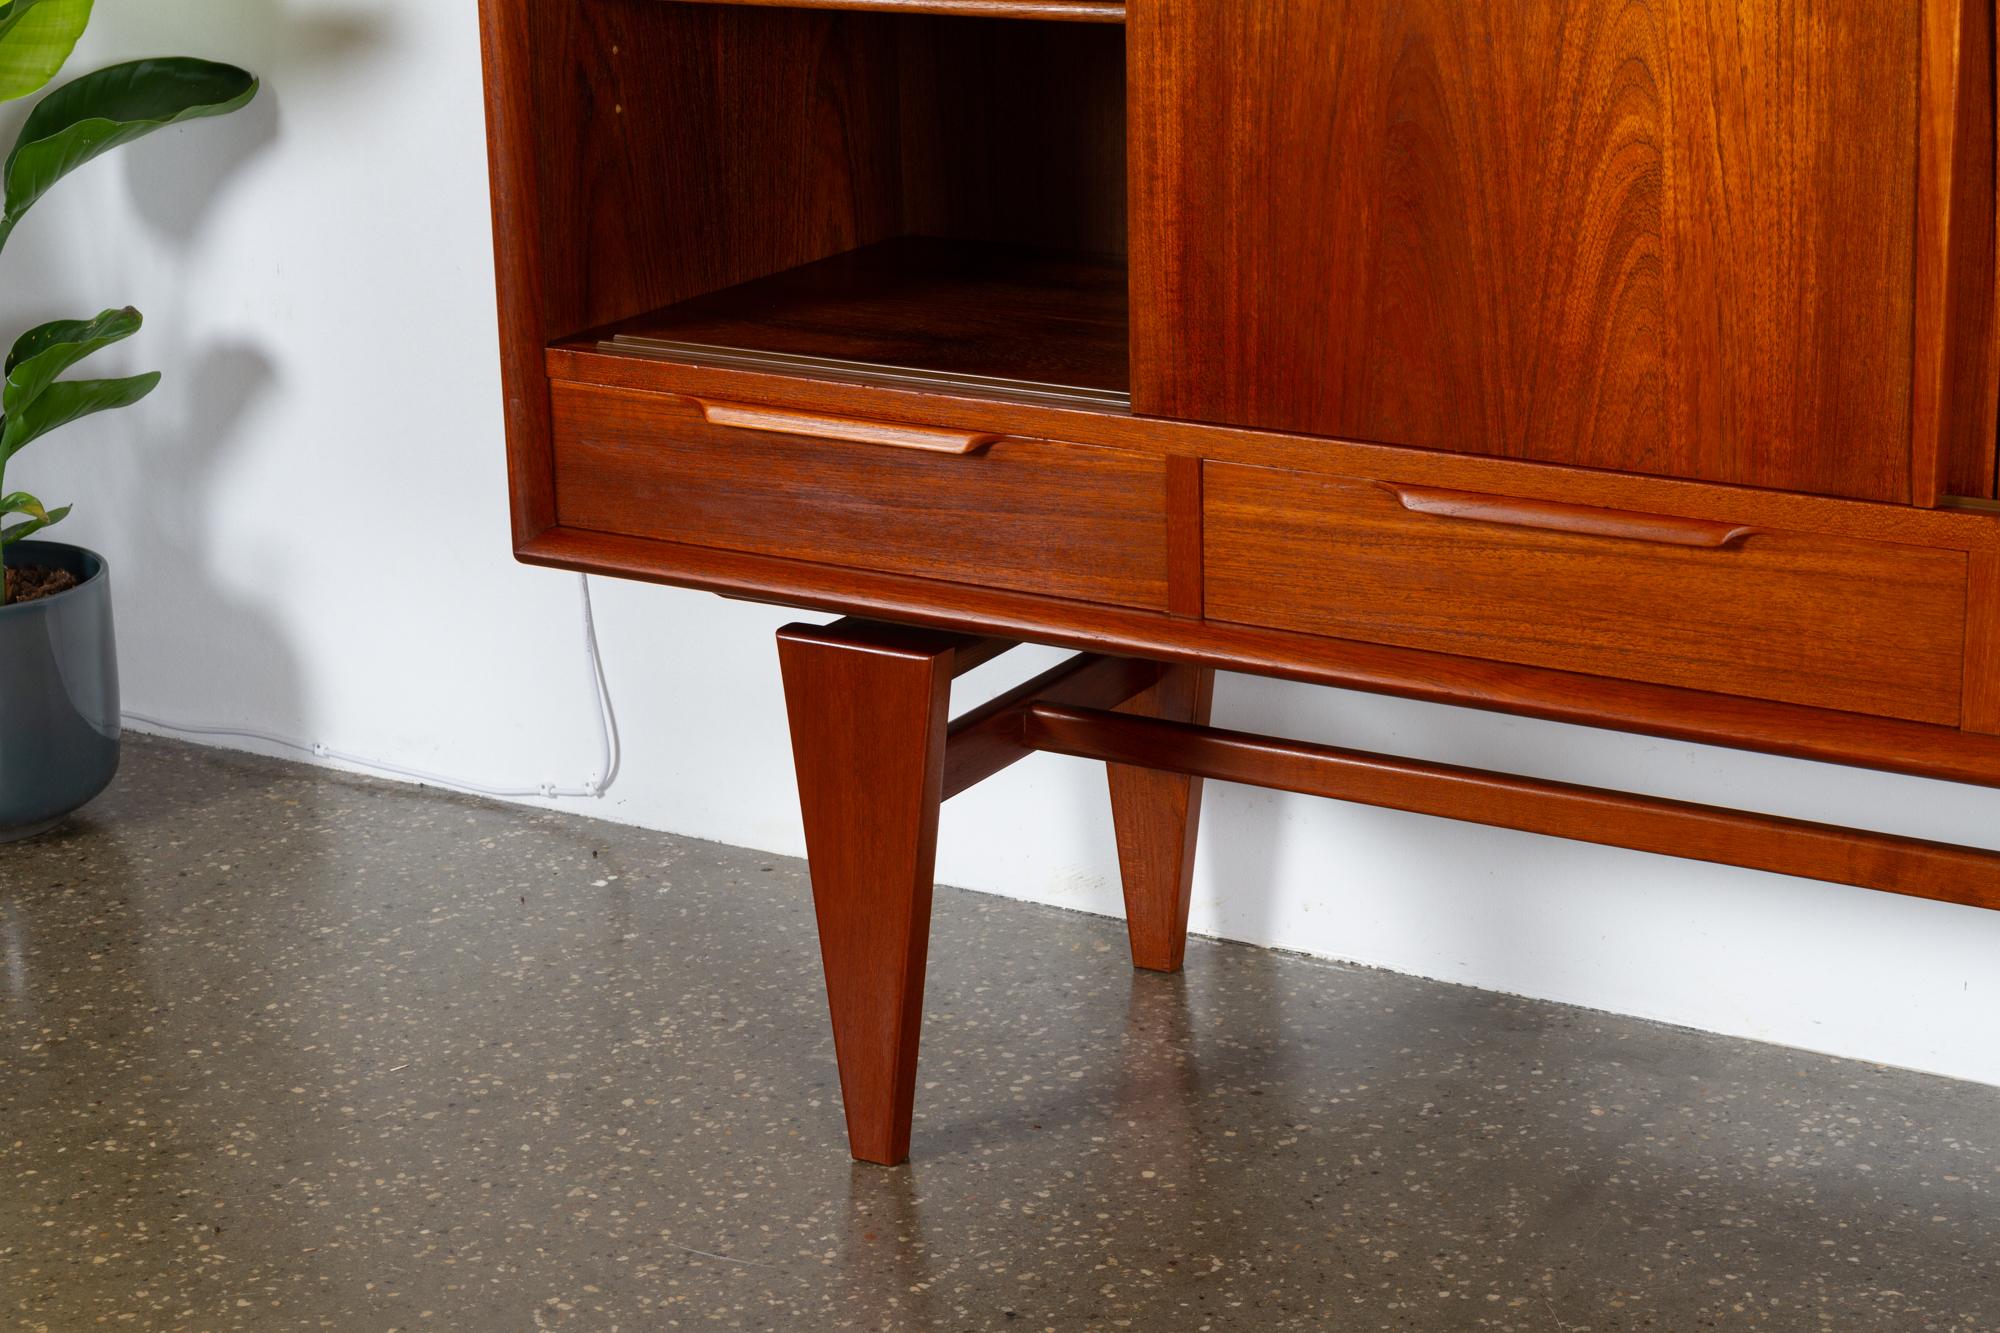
(281, 1049)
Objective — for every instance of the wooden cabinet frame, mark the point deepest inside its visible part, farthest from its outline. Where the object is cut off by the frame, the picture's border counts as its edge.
(791, 311)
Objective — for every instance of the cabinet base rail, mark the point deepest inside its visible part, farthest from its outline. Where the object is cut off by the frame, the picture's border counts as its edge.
(876, 757)
(1885, 861)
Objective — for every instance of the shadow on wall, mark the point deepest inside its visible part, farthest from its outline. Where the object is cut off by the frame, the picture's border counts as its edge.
(176, 179)
(200, 625)
(161, 479)
(1249, 832)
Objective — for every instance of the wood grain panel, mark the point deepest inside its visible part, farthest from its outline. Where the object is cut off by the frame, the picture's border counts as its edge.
(1032, 515)
(682, 148)
(1866, 627)
(1618, 233)
(1014, 132)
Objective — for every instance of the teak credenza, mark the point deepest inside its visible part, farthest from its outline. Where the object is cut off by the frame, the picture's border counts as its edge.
(1625, 362)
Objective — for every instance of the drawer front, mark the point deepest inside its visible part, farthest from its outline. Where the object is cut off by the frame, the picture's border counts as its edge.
(1063, 520)
(1866, 627)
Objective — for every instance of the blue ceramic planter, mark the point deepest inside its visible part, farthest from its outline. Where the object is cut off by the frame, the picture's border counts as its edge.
(58, 693)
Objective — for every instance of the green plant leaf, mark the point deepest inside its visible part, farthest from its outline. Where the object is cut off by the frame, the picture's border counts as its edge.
(67, 400)
(109, 325)
(43, 353)
(98, 112)
(36, 37)
(8, 536)
(20, 502)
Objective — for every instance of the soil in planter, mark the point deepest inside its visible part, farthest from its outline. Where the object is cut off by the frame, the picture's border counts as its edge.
(32, 581)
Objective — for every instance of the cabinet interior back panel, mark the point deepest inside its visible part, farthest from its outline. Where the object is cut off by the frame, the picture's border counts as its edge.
(1667, 236)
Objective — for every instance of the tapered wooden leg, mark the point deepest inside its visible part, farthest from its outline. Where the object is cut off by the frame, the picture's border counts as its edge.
(868, 712)
(1157, 816)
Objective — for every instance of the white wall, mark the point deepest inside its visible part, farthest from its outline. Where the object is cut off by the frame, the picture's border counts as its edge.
(308, 529)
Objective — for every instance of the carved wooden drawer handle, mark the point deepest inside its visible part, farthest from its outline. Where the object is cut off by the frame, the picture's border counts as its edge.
(1582, 519)
(934, 439)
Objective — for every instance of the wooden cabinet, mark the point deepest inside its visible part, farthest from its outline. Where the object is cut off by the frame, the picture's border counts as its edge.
(1630, 363)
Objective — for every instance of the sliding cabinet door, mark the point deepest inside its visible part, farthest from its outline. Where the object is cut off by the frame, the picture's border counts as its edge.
(1666, 236)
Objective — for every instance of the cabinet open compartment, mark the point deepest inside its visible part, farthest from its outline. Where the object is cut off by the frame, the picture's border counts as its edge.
(834, 192)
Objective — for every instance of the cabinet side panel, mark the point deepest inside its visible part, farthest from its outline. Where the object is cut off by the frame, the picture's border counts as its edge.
(1623, 235)
(516, 246)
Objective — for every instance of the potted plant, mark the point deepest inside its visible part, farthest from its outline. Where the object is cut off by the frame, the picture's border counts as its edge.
(58, 668)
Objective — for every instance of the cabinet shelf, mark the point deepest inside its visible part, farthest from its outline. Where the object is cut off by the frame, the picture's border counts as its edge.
(1060, 11)
(993, 320)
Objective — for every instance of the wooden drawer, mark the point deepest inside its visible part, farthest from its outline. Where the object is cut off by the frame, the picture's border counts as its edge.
(1870, 627)
(1037, 516)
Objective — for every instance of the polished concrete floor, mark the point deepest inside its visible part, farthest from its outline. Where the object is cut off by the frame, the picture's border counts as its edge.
(286, 1050)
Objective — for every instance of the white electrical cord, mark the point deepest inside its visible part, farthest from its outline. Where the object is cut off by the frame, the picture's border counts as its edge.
(594, 786)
